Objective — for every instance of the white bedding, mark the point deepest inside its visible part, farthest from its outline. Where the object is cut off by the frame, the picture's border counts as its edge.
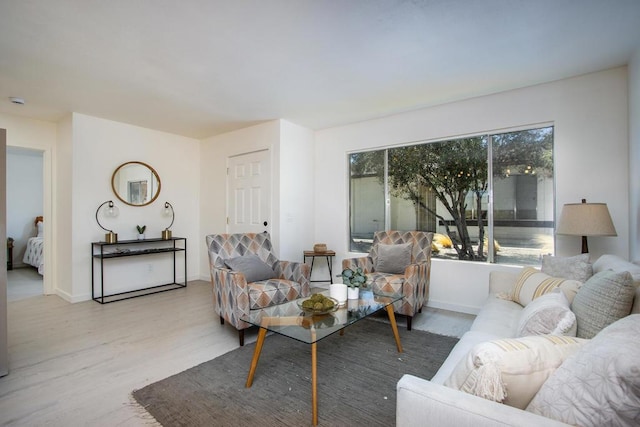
(34, 255)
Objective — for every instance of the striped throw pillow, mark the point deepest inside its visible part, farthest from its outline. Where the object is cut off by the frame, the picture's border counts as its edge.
(532, 283)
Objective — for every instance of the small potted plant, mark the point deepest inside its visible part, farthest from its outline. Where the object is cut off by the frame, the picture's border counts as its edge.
(353, 280)
(141, 229)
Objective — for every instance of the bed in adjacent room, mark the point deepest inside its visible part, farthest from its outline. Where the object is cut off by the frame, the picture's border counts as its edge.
(34, 255)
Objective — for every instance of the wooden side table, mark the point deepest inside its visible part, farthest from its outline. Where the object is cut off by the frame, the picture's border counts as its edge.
(328, 255)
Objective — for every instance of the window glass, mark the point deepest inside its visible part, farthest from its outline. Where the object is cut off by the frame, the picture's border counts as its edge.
(444, 187)
(523, 188)
(367, 198)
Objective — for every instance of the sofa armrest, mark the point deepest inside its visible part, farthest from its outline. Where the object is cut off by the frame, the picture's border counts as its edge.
(421, 402)
(502, 281)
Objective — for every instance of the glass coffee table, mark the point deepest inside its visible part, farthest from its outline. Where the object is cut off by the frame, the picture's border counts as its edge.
(292, 321)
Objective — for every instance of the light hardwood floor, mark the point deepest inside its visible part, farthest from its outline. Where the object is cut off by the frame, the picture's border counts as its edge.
(77, 364)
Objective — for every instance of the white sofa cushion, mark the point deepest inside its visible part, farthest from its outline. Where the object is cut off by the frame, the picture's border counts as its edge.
(600, 384)
(547, 314)
(498, 317)
(511, 370)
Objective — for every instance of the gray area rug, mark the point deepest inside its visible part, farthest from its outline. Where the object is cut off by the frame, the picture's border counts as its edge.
(357, 376)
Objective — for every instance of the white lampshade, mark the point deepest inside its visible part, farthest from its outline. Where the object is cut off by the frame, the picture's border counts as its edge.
(585, 219)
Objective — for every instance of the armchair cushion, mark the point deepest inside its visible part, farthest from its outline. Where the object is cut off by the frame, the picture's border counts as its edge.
(393, 259)
(253, 268)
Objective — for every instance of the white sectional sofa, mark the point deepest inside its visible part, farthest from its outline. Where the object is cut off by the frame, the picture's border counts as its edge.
(422, 402)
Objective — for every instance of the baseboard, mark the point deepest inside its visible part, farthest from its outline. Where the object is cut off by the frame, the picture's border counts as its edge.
(72, 298)
(453, 307)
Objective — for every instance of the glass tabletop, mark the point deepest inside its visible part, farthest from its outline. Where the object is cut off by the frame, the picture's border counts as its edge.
(290, 320)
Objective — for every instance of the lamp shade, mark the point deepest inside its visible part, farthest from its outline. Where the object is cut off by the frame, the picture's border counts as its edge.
(110, 210)
(168, 210)
(585, 219)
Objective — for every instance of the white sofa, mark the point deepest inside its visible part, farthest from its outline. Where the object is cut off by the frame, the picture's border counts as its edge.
(421, 402)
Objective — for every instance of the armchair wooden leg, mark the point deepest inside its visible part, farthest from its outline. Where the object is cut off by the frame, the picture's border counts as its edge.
(221, 320)
(409, 318)
(241, 336)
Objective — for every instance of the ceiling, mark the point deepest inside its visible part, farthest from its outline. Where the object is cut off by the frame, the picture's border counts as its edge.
(203, 67)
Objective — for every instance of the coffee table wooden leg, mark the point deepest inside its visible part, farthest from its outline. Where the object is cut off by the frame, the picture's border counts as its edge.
(256, 356)
(314, 384)
(394, 327)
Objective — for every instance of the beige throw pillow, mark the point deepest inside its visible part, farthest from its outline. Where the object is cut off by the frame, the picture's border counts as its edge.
(511, 370)
(532, 283)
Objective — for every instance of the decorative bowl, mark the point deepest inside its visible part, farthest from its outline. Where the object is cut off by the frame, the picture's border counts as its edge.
(315, 312)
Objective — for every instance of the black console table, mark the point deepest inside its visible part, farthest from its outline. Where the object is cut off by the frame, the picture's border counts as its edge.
(102, 251)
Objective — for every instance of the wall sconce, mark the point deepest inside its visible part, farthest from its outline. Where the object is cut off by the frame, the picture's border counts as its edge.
(168, 210)
(585, 219)
(110, 211)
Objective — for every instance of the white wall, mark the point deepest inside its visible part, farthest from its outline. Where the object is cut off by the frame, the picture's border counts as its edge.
(98, 147)
(590, 115)
(24, 197)
(634, 154)
(297, 201)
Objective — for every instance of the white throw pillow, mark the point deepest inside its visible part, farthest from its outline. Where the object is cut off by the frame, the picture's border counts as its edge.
(575, 267)
(547, 314)
(512, 370)
(600, 384)
(532, 283)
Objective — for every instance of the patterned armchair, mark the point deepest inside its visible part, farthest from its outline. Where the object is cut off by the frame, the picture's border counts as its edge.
(233, 297)
(413, 284)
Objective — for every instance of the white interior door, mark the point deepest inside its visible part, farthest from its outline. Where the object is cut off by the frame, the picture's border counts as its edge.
(249, 193)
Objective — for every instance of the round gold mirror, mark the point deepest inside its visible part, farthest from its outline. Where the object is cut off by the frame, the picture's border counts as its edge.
(136, 183)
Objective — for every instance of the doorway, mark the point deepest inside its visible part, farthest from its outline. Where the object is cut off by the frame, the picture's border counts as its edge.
(249, 193)
(25, 203)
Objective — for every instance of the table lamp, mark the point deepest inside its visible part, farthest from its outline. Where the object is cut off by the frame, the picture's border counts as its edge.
(110, 211)
(168, 210)
(585, 219)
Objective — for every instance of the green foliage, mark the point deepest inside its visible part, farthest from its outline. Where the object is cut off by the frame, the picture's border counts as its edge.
(354, 279)
(141, 228)
(450, 170)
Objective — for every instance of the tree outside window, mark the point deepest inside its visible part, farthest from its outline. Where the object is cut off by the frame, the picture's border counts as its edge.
(444, 186)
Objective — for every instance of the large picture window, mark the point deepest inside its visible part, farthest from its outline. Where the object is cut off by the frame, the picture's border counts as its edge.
(446, 187)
